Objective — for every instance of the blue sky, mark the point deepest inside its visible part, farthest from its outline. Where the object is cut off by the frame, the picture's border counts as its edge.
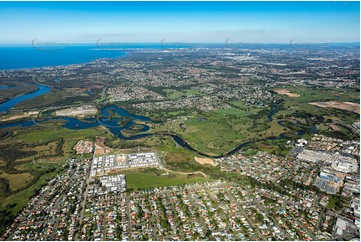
(183, 22)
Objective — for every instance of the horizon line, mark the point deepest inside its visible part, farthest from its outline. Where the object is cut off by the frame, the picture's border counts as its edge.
(175, 43)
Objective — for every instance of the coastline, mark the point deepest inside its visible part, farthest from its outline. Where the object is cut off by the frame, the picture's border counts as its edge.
(60, 58)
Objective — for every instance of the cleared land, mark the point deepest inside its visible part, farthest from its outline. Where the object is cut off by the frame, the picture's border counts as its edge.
(18, 116)
(205, 161)
(286, 92)
(100, 150)
(335, 127)
(347, 106)
(77, 112)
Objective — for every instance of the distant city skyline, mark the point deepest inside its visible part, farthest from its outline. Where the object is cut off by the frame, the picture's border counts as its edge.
(179, 22)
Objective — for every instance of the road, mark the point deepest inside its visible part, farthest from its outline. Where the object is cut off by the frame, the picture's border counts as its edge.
(251, 222)
(185, 173)
(105, 88)
(162, 167)
(87, 188)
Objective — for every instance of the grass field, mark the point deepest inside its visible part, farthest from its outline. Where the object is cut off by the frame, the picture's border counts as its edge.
(48, 134)
(333, 202)
(42, 150)
(39, 165)
(20, 199)
(225, 128)
(35, 138)
(241, 105)
(276, 147)
(308, 95)
(312, 94)
(176, 94)
(163, 115)
(152, 177)
(217, 132)
(17, 181)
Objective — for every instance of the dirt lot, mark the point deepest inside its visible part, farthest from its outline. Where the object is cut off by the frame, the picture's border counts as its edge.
(205, 161)
(286, 92)
(334, 127)
(348, 106)
(78, 111)
(25, 115)
(101, 150)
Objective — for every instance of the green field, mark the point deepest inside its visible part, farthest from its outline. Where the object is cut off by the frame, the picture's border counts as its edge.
(308, 95)
(217, 132)
(309, 114)
(152, 177)
(241, 105)
(24, 177)
(47, 134)
(21, 198)
(176, 94)
(16, 181)
(334, 202)
(314, 94)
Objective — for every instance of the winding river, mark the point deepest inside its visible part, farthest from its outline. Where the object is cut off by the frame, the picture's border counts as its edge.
(6, 106)
(116, 129)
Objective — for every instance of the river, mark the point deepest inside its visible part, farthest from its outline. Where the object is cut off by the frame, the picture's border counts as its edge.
(116, 129)
(6, 106)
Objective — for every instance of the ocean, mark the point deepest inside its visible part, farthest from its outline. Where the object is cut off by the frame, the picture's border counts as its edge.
(37, 55)
(19, 57)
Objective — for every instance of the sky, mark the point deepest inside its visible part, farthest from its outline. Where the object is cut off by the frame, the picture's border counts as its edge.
(179, 22)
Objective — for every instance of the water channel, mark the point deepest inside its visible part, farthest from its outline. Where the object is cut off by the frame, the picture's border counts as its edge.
(113, 123)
